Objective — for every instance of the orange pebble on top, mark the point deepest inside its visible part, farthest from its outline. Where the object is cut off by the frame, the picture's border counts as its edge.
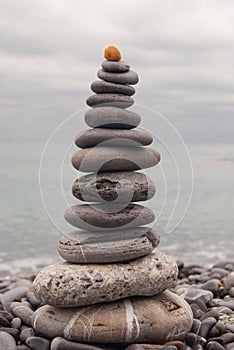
(111, 53)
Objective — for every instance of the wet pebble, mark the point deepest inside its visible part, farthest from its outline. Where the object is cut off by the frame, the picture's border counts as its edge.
(7, 342)
(206, 325)
(14, 294)
(23, 312)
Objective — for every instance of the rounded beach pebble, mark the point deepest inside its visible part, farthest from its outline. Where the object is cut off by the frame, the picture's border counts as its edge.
(109, 99)
(159, 318)
(100, 86)
(7, 342)
(129, 78)
(115, 67)
(70, 285)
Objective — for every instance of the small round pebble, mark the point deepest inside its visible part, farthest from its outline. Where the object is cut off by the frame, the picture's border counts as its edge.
(23, 312)
(112, 53)
(16, 323)
(7, 342)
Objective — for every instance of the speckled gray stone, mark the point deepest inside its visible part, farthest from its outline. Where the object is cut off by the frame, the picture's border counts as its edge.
(70, 285)
(115, 66)
(130, 77)
(100, 86)
(110, 246)
(113, 158)
(114, 186)
(111, 100)
(112, 117)
(108, 215)
(155, 319)
(116, 137)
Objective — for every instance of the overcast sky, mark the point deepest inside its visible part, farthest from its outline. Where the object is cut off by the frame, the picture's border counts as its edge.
(182, 50)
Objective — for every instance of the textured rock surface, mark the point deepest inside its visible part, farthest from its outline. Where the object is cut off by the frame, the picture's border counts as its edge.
(156, 319)
(104, 216)
(130, 77)
(110, 99)
(112, 117)
(114, 187)
(99, 86)
(112, 246)
(114, 158)
(67, 285)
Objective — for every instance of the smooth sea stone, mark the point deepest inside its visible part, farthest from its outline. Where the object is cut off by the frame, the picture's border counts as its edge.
(112, 158)
(112, 117)
(108, 215)
(14, 294)
(7, 342)
(100, 86)
(112, 246)
(130, 77)
(23, 312)
(115, 66)
(60, 343)
(157, 319)
(111, 100)
(71, 285)
(116, 137)
(116, 186)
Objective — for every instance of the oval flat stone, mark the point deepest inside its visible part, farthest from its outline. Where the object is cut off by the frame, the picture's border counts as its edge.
(110, 246)
(115, 67)
(70, 285)
(114, 186)
(157, 319)
(60, 343)
(86, 216)
(116, 137)
(112, 117)
(130, 77)
(111, 100)
(100, 86)
(111, 158)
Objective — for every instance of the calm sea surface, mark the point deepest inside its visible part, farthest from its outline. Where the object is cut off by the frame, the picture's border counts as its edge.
(29, 229)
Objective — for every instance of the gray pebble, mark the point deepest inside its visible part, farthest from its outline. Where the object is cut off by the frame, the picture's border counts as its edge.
(5, 318)
(14, 294)
(7, 342)
(213, 345)
(112, 117)
(210, 313)
(32, 299)
(60, 343)
(38, 343)
(196, 326)
(229, 346)
(100, 87)
(231, 292)
(16, 323)
(12, 331)
(26, 333)
(110, 100)
(130, 77)
(22, 347)
(229, 281)
(192, 294)
(212, 285)
(23, 312)
(206, 325)
(220, 302)
(115, 66)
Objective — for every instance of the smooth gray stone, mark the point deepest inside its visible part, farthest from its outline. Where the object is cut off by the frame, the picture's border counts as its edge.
(26, 333)
(60, 343)
(22, 347)
(109, 215)
(14, 294)
(7, 342)
(192, 294)
(5, 318)
(112, 246)
(116, 186)
(206, 325)
(71, 285)
(115, 66)
(32, 299)
(16, 323)
(11, 331)
(130, 77)
(100, 87)
(157, 319)
(22, 311)
(38, 343)
(110, 100)
(114, 137)
(112, 117)
(114, 158)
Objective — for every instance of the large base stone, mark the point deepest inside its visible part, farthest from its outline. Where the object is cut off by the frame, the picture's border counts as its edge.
(161, 318)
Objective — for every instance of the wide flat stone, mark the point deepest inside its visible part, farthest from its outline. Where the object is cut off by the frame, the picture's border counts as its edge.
(130, 77)
(108, 215)
(7, 342)
(111, 100)
(60, 343)
(70, 285)
(115, 66)
(114, 186)
(112, 117)
(157, 319)
(115, 137)
(112, 158)
(100, 86)
(110, 246)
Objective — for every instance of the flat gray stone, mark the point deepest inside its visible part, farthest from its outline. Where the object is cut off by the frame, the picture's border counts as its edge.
(114, 186)
(157, 319)
(14, 294)
(110, 100)
(38, 343)
(60, 343)
(130, 77)
(112, 117)
(71, 285)
(7, 342)
(115, 137)
(111, 158)
(100, 86)
(115, 66)
(105, 216)
(110, 246)
(23, 312)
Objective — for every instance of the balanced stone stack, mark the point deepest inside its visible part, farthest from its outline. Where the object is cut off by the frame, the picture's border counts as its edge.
(112, 287)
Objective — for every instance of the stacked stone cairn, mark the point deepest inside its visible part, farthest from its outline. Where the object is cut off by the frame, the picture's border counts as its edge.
(112, 288)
